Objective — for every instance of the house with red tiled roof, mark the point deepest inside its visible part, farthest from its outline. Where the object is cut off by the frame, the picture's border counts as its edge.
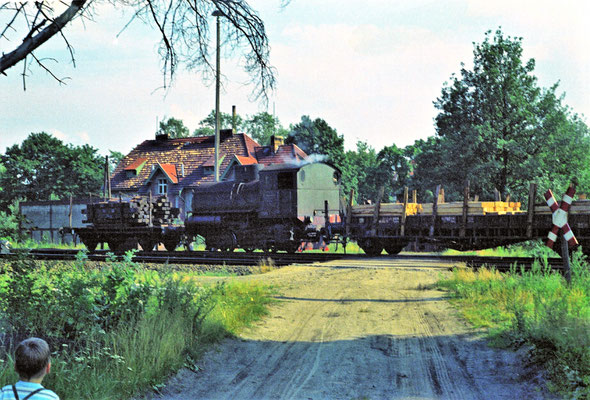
(175, 167)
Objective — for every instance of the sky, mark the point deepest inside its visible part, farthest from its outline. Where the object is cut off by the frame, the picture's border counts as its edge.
(371, 69)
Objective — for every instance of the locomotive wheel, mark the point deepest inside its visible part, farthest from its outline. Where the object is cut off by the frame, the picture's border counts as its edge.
(171, 244)
(371, 247)
(147, 244)
(114, 246)
(90, 244)
(228, 242)
(393, 248)
(292, 247)
(121, 247)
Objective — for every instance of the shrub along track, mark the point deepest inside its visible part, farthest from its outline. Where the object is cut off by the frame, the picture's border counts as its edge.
(358, 329)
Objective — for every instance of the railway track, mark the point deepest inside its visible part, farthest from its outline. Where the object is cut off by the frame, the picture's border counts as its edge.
(281, 259)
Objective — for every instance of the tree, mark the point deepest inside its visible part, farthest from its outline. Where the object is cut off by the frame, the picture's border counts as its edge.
(174, 128)
(207, 125)
(368, 170)
(115, 157)
(262, 126)
(182, 25)
(43, 167)
(361, 163)
(428, 164)
(322, 143)
(495, 125)
(318, 138)
(392, 171)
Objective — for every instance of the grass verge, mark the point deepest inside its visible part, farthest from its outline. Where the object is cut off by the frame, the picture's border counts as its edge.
(536, 309)
(120, 329)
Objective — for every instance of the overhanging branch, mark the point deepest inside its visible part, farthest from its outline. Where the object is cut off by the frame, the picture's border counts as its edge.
(34, 41)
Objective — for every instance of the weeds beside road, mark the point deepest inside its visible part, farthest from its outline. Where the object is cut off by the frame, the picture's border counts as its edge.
(117, 329)
(536, 309)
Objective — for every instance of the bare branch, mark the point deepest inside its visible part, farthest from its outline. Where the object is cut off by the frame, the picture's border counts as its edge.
(9, 25)
(61, 82)
(33, 42)
(183, 26)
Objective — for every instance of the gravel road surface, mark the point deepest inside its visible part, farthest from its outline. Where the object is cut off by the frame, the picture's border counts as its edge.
(375, 330)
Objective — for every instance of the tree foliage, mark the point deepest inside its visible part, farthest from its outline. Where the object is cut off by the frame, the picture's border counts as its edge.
(322, 143)
(183, 27)
(174, 128)
(262, 126)
(499, 130)
(370, 170)
(115, 157)
(207, 125)
(42, 167)
(318, 138)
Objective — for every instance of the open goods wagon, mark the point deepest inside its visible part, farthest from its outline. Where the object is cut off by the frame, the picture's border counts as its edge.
(459, 225)
(125, 224)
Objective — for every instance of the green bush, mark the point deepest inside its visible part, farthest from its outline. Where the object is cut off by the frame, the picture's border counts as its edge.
(119, 324)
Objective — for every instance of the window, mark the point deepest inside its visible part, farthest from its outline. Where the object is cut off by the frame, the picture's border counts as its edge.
(162, 186)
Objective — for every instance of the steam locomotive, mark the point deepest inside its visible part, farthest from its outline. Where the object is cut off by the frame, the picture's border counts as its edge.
(274, 208)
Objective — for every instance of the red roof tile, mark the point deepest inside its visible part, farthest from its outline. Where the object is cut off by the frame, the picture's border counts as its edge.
(194, 153)
(170, 171)
(135, 164)
(246, 160)
(285, 153)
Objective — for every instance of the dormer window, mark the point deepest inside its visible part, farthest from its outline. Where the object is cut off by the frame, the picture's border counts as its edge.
(133, 169)
(208, 170)
(162, 186)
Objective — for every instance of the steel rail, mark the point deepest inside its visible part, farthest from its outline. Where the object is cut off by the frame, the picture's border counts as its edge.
(282, 259)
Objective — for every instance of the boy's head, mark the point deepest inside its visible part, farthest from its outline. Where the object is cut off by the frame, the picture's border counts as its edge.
(32, 358)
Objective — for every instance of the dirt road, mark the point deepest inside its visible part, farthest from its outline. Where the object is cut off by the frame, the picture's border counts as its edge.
(344, 332)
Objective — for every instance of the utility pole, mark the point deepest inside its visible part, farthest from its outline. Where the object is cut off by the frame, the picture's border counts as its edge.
(217, 14)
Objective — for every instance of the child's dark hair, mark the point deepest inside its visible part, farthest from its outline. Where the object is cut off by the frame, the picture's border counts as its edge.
(31, 357)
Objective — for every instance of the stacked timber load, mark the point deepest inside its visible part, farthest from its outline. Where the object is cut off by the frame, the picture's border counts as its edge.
(386, 209)
(163, 213)
(577, 207)
(135, 212)
(452, 208)
(474, 208)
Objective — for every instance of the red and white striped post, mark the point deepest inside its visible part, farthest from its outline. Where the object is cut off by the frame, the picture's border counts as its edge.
(559, 219)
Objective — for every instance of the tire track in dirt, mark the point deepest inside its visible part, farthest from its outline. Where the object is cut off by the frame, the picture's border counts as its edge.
(296, 353)
(373, 332)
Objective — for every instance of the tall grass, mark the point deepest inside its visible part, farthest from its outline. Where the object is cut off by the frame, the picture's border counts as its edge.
(537, 309)
(533, 248)
(119, 329)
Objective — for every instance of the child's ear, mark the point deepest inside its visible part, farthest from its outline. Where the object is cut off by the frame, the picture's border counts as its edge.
(48, 368)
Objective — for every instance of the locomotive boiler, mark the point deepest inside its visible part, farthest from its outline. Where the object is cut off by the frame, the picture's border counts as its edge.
(278, 207)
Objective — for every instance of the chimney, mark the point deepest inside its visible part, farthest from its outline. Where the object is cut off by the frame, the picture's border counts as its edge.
(233, 119)
(160, 137)
(276, 142)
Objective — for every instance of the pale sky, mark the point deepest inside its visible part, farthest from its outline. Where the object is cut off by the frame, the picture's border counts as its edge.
(370, 68)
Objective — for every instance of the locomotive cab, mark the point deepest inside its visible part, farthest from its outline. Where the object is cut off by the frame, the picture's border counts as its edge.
(300, 191)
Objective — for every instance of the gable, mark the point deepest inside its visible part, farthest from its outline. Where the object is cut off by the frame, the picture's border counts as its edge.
(175, 156)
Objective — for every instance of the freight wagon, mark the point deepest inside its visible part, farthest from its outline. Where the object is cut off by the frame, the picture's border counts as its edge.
(125, 224)
(466, 225)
